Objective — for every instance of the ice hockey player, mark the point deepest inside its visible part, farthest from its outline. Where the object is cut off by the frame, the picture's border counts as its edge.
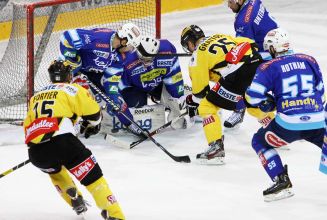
(298, 94)
(100, 54)
(54, 147)
(145, 76)
(253, 21)
(231, 63)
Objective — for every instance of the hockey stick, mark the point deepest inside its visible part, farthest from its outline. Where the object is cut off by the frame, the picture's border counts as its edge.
(146, 54)
(158, 129)
(185, 159)
(14, 168)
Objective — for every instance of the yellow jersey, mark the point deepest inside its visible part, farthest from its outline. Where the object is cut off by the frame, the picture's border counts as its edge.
(208, 62)
(55, 110)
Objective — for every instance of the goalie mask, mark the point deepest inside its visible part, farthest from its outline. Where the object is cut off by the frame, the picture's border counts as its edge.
(148, 45)
(131, 33)
(60, 71)
(278, 39)
(192, 33)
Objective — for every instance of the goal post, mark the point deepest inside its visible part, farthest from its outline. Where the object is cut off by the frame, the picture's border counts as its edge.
(34, 41)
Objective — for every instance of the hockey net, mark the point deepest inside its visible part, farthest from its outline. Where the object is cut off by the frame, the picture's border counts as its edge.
(34, 41)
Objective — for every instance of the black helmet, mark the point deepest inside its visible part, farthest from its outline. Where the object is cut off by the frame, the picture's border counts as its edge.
(59, 71)
(191, 33)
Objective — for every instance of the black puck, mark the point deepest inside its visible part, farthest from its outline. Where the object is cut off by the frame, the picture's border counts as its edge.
(114, 130)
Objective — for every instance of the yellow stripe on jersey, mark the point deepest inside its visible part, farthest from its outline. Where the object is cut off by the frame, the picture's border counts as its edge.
(177, 77)
(114, 78)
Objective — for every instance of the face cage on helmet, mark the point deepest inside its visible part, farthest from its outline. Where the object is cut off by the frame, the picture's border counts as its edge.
(145, 60)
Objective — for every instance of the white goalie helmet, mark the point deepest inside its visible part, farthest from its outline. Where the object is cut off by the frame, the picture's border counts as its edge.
(279, 39)
(131, 32)
(148, 45)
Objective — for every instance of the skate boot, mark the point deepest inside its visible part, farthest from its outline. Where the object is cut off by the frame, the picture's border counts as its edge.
(133, 129)
(235, 120)
(79, 205)
(105, 215)
(280, 189)
(213, 155)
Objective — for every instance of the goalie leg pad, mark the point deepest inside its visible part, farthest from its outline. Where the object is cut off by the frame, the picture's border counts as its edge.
(104, 198)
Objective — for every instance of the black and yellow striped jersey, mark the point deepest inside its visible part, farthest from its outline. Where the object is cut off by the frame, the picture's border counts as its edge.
(209, 63)
(55, 110)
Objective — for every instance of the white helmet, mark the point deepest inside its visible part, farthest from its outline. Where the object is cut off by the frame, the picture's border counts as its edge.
(278, 38)
(131, 32)
(148, 45)
(225, 2)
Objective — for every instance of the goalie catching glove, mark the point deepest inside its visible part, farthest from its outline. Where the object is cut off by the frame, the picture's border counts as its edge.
(88, 129)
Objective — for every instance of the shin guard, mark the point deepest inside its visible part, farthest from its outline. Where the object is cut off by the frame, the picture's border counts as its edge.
(104, 198)
(62, 181)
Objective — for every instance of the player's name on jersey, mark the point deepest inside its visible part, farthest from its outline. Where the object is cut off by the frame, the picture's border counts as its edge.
(45, 95)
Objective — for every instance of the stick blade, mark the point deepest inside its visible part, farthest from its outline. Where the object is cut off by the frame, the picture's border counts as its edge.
(117, 142)
(183, 159)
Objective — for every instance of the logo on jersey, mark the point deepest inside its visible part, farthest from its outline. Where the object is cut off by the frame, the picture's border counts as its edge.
(263, 160)
(306, 57)
(133, 64)
(81, 170)
(103, 31)
(152, 74)
(236, 54)
(40, 126)
(101, 64)
(100, 53)
(70, 90)
(101, 45)
(224, 93)
(298, 103)
(114, 78)
(138, 70)
(178, 77)
(165, 62)
(113, 89)
(267, 64)
(70, 53)
(248, 14)
(180, 89)
(305, 118)
(87, 38)
(275, 141)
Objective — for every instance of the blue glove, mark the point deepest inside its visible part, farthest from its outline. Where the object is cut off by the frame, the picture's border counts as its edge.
(118, 100)
(269, 105)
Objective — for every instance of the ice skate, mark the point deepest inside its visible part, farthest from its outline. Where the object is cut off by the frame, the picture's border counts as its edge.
(235, 120)
(105, 215)
(280, 189)
(78, 203)
(213, 155)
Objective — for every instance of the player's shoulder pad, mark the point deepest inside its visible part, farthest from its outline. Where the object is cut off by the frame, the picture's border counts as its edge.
(267, 64)
(304, 56)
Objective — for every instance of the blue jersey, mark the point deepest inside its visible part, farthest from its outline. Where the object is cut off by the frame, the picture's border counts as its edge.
(296, 82)
(254, 22)
(91, 51)
(162, 69)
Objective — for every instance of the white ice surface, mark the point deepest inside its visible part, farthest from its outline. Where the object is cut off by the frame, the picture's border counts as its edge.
(150, 185)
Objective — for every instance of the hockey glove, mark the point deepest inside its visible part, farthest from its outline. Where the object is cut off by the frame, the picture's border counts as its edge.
(192, 106)
(89, 129)
(269, 105)
(118, 100)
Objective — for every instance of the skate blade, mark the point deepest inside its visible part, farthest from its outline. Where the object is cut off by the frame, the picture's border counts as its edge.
(233, 128)
(214, 161)
(283, 194)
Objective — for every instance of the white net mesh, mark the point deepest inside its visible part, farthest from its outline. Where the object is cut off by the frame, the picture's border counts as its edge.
(49, 23)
